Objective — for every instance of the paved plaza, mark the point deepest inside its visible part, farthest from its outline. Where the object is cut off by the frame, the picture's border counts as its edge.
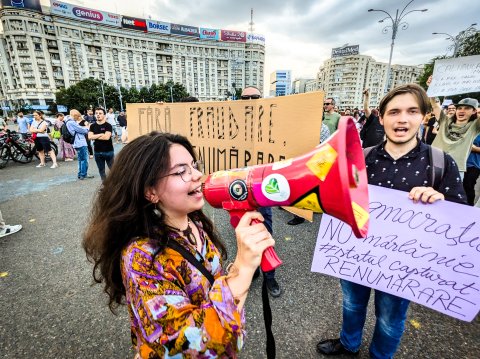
(49, 308)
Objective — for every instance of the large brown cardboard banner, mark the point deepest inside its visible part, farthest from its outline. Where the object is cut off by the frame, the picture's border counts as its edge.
(234, 134)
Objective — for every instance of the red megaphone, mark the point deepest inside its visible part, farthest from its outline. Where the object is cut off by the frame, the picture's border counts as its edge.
(331, 179)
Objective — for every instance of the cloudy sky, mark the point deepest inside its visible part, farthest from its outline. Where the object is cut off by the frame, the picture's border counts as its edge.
(301, 34)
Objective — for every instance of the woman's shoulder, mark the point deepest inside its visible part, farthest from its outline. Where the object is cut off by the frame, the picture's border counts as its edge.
(144, 245)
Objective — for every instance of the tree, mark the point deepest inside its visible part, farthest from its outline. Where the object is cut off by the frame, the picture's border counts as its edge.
(88, 93)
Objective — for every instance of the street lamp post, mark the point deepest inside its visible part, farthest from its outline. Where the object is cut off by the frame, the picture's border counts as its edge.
(459, 39)
(103, 95)
(171, 92)
(397, 23)
(119, 92)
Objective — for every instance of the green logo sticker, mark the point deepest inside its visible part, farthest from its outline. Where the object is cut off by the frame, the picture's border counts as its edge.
(272, 186)
(276, 188)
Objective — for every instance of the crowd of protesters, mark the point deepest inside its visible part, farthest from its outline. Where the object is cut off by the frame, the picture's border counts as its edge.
(187, 305)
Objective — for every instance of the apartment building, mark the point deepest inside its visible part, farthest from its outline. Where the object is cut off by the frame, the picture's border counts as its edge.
(60, 45)
(300, 85)
(345, 77)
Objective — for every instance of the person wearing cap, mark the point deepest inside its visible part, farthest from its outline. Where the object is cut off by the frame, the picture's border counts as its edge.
(253, 93)
(456, 134)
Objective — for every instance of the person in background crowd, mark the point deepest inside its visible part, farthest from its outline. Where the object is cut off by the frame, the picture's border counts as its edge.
(455, 134)
(473, 171)
(89, 117)
(3, 124)
(330, 116)
(430, 128)
(67, 152)
(451, 110)
(86, 120)
(80, 144)
(42, 140)
(356, 118)
(101, 134)
(111, 120)
(122, 122)
(6, 229)
(253, 93)
(372, 132)
(22, 124)
(401, 113)
(156, 250)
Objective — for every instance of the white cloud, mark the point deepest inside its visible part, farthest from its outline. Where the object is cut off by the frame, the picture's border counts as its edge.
(301, 34)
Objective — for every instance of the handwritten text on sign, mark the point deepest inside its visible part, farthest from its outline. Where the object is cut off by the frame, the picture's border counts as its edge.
(429, 254)
(455, 76)
(232, 134)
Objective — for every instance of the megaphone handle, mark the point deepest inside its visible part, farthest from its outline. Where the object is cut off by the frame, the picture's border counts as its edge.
(270, 259)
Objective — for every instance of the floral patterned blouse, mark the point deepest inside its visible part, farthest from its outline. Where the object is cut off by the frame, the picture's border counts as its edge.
(174, 311)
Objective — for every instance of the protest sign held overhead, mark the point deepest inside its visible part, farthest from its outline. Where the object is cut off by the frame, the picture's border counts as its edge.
(455, 76)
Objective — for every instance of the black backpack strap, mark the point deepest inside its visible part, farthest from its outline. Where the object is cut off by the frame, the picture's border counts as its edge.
(437, 166)
(191, 258)
(367, 150)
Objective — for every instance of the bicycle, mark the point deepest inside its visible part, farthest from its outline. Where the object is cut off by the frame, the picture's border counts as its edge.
(14, 146)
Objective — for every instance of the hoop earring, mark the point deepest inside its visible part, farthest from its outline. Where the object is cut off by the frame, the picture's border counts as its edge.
(156, 211)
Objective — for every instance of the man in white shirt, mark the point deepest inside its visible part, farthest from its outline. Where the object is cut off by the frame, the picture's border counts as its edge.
(111, 120)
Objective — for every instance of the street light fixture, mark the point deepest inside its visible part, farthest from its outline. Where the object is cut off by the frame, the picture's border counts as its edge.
(459, 39)
(171, 92)
(397, 23)
(103, 95)
(119, 91)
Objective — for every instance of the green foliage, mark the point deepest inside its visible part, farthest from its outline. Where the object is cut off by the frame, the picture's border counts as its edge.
(88, 94)
(471, 45)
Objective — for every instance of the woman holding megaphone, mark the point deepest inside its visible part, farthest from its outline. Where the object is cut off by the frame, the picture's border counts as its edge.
(151, 244)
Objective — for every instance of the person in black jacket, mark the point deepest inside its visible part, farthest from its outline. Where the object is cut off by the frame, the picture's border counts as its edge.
(372, 132)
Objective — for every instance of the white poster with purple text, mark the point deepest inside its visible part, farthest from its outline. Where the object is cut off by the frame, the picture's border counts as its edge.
(427, 253)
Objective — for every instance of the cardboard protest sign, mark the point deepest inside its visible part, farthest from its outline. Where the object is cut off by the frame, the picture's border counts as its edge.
(233, 134)
(415, 251)
(455, 76)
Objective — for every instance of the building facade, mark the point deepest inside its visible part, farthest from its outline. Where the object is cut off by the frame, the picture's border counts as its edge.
(299, 85)
(43, 51)
(281, 83)
(345, 77)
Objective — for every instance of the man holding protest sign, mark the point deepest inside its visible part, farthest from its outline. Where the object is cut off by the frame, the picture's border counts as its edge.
(402, 162)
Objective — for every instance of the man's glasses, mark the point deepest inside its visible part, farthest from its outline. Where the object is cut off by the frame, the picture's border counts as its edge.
(250, 97)
(327, 103)
(185, 172)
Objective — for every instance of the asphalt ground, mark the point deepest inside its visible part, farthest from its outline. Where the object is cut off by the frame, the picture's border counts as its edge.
(50, 309)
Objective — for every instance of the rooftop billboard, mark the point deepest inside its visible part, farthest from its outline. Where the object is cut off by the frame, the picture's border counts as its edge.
(86, 14)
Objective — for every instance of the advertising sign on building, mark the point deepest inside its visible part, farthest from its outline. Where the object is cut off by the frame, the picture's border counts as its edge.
(345, 50)
(209, 34)
(134, 23)
(256, 39)
(81, 13)
(237, 36)
(158, 27)
(184, 30)
(24, 4)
